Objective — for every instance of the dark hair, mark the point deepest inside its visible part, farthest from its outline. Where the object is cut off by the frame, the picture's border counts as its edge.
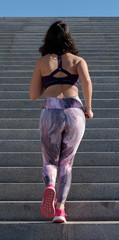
(58, 40)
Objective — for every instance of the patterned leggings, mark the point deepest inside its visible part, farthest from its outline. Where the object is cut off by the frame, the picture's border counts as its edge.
(62, 125)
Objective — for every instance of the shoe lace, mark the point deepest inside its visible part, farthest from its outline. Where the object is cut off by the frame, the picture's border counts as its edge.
(58, 209)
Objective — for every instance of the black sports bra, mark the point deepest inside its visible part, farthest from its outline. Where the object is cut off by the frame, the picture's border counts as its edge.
(72, 79)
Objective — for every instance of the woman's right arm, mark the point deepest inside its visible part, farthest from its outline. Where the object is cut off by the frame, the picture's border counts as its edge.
(82, 69)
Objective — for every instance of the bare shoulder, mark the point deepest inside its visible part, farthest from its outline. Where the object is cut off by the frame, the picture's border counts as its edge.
(78, 60)
(81, 60)
(82, 69)
(40, 61)
(81, 63)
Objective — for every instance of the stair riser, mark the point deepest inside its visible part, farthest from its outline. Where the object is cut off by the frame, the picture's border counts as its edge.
(28, 68)
(34, 146)
(100, 80)
(33, 126)
(21, 159)
(26, 86)
(76, 211)
(106, 103)
(79, 175)
(33, 113)
(47, 230)
(20, 134)
(6, 57)
(78, 191)
(25, 95)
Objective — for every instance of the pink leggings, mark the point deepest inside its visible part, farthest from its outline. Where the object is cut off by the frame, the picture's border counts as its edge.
(62, 125)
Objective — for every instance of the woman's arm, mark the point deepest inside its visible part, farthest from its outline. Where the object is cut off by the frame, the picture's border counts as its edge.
(82, 69)
(36, 87)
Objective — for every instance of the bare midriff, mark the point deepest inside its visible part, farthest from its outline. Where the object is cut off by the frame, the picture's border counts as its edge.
(61, 91)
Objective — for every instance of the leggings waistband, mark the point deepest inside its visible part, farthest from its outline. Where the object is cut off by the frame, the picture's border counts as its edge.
(62, 103)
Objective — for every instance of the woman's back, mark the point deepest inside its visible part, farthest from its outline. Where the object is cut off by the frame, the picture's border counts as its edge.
(49, 63)
(57, 72)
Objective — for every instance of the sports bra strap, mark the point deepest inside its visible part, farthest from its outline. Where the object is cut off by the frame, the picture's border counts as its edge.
(59, 62)
(60, 68)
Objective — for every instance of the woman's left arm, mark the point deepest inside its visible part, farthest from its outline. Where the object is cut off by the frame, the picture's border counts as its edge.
(36, 87)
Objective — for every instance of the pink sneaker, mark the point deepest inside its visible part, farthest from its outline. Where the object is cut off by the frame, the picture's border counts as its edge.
(47, 208)
(59, 216)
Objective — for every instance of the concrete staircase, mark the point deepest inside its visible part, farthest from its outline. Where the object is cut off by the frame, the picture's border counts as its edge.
(93, 202)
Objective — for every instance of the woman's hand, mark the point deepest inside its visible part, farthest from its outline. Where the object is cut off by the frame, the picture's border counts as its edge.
(88, 113)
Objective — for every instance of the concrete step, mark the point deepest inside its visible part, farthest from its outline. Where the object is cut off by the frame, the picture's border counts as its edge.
(43, 230)
(34, 159)
(37, 37)
(24, 95)
(26, 86)
(34, 134)
(74, 23)
(35, 113)
(25, 73)
(29, 67)
(37, 54)
(35, 46)
(78, 191)
(76, 211)
(32, 62)
(85, 56)
(86, 145)
(18, 80)
(90, 38)
(34, 52)
(86, 36)
(30, 124)
(87, 23)
(86, 174)
(74, 29)
(21, 103)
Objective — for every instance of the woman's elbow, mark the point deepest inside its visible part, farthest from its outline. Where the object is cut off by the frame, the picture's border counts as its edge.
(36, 96)
(32, 97)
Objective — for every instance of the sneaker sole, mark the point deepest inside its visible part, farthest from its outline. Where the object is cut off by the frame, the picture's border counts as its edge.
(47, 208)
(58, 219)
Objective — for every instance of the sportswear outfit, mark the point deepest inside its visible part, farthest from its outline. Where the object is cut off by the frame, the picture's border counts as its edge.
(62, 125)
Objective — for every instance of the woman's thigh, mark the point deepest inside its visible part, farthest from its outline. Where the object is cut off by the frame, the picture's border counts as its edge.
(74, 130)
(51, 125)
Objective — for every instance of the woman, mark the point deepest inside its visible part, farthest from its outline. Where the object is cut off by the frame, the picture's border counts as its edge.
(63, 116)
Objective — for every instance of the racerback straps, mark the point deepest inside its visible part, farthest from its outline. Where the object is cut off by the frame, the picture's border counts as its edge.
(59, 62)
